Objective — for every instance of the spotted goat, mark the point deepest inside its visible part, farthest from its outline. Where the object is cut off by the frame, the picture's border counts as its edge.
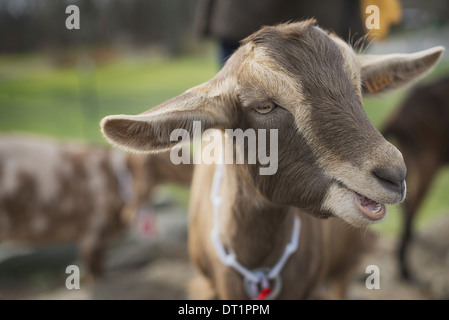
(53, 192)
(332, 162)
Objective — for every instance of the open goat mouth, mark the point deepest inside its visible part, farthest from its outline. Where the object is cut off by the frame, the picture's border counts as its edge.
(370, 209)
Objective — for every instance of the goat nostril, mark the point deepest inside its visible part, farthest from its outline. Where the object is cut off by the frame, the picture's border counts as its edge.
(391, 178)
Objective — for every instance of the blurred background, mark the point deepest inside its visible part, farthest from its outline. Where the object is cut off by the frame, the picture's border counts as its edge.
(129, 56)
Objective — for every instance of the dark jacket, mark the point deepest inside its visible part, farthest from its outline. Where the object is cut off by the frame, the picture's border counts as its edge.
(234, 20)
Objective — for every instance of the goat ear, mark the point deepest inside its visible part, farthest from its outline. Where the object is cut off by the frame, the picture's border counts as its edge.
(382, 73)
(150, 131)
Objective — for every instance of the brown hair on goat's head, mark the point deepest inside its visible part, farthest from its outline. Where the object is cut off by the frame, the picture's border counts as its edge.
(308, 84)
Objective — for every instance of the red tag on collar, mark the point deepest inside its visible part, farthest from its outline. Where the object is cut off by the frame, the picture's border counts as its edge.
(146, 225)
(264, 293)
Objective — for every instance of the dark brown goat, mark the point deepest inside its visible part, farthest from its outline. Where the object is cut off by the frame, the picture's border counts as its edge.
(420, 128)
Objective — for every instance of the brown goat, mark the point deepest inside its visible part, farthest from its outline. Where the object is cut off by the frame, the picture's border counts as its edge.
(420, 128)
(53, 192)
(307, 86)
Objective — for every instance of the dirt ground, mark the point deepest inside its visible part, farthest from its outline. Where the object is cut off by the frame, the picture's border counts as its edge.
(161, 269)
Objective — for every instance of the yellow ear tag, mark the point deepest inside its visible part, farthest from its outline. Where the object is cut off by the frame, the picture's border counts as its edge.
(378, 83)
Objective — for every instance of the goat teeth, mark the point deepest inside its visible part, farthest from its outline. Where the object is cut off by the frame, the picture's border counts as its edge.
(377, 208)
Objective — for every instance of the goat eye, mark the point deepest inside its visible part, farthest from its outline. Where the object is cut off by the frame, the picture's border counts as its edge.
(266, 108)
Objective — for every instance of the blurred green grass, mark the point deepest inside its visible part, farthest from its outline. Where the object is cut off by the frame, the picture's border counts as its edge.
(69, 103)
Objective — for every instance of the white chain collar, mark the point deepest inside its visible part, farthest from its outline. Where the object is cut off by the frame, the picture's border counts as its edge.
(252, 278)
